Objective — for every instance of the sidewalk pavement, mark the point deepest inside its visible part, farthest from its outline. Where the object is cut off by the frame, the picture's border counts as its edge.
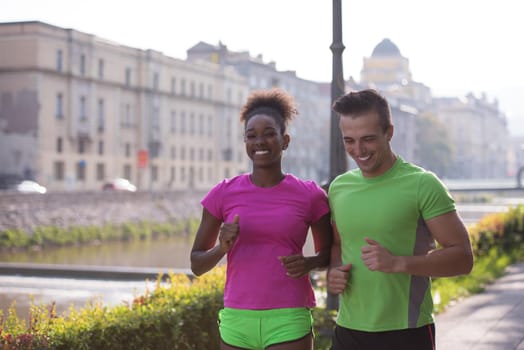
(491, 320)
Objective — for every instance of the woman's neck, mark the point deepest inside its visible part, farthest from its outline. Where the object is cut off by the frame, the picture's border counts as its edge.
(261, 178)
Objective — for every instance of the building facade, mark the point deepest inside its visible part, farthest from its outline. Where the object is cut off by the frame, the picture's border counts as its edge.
(308, 154)
(478, 130)
(387, 71)
(476, 127)
(76, 110)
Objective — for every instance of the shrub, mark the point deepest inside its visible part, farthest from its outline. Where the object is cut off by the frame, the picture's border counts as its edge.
(178, 314)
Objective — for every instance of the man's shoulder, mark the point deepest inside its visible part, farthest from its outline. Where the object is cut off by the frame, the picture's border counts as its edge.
(415, 169)
(425, 179)
(350, 177)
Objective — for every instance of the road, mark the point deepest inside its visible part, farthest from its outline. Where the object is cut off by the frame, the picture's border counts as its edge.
(492, 320)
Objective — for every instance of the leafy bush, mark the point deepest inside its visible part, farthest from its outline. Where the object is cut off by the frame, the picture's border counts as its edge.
(178, 314)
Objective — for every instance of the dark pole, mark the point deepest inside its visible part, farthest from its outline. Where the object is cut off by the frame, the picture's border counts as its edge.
(338, 159)
(337, 154)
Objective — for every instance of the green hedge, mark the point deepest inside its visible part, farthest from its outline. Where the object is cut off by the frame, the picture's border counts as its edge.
(177, 314)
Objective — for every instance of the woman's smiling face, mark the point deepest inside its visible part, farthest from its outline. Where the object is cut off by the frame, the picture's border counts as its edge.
(264, 140)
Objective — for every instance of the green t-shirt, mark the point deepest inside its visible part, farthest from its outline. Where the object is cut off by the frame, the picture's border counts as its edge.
(390, 209)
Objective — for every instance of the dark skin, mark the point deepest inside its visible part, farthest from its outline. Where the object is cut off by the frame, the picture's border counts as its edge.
(265, 143)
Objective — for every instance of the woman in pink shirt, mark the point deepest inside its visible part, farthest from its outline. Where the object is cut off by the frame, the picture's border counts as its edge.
(261, 221)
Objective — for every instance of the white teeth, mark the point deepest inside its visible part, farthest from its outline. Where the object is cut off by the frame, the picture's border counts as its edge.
(261, 152)
(364, 158)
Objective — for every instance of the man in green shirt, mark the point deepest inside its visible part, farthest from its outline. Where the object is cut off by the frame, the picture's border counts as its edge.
(387, 215)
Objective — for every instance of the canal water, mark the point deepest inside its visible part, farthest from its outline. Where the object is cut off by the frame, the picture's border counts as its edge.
(171, 252)
(20, 292)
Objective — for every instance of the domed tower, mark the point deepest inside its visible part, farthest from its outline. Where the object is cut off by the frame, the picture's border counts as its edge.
(386, 67)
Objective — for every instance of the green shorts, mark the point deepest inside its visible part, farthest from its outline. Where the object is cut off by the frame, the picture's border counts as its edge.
(258, 329)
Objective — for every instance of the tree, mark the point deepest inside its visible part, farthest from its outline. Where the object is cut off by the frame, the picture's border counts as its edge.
(435, 150)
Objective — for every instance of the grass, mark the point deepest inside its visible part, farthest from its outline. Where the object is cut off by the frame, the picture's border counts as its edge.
(487, 268)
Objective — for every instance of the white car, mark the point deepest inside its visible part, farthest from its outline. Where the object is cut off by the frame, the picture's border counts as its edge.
(119, 184)
(28, 186)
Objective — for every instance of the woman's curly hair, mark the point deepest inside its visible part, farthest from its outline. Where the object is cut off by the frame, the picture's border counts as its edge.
(274, 102)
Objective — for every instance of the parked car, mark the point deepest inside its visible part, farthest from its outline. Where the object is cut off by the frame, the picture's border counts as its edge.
(28, 186)
(119, 184)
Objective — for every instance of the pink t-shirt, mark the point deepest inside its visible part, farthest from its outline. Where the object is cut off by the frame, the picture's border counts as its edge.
(273, 222)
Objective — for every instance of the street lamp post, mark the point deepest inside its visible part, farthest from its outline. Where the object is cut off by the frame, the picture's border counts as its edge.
(337, 155)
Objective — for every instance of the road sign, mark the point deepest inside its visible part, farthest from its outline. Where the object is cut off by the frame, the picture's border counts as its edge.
(142, 158)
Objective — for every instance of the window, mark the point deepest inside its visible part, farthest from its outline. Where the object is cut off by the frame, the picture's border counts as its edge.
(128, 151)
(100, 147)
(59, 108)
(183, 122)
(183, 153)
(81, 146)
(128, 76)
(209, 126)
(201, 154)
(228, 130)
(59, 145)
(191, 154)
(154, 173)
(156, 81)
(100, 171)
(58, 170)
(227, 154)
(183, 87)
(209, 155)
(191, 123)
(81, 170)
(100, 69)
(155, 122)
(201, 90)
(59, 60)
(172, 176)
(83, 114)
(82, 64)
(100, 119)
(173, 86)
(127, 171)
(127, 116)
(201, 124)
(173, 122)
(173, 152)
(192, 89)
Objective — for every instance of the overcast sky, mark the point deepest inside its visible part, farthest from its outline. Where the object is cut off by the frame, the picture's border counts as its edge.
(453, 46)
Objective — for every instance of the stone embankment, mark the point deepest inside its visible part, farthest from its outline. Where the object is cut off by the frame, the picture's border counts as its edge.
(26, 211)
